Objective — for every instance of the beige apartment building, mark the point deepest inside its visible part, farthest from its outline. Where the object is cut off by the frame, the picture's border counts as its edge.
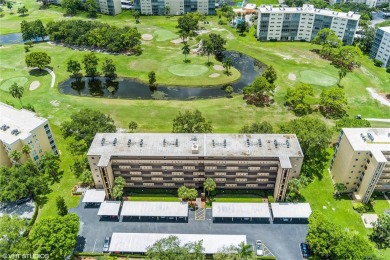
(362, 161)
(166, 160)
(20, 127)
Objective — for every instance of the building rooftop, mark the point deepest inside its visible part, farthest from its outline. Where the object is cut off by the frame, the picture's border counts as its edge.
(154, 209)
(139, 242)
(240, 210)
(281, 146)
(386, 29)
(374, 140)
(109, 208)
(94, 196)
(308, 9)
(11, 119)
(291, 210)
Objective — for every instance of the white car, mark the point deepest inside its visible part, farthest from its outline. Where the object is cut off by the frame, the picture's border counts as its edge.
(259, 248)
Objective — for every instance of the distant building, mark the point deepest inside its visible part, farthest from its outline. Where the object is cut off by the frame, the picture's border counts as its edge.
(162, 161)
(111, 7)
(176, 7)
(362, 161)
(20, 127)
(380, 48)
(370, 3)
(303, 23)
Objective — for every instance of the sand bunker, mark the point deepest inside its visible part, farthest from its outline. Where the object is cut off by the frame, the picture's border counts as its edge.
(177, 41)
(291, 76)
(218, 67)
(147, 37)
(34, 85)
(214, 75)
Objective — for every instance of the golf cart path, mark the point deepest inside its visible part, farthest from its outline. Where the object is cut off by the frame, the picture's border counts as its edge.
(378, 97)
(53, 77)
(379, 119)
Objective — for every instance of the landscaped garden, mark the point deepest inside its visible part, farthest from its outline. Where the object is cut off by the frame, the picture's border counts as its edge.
(294, 62)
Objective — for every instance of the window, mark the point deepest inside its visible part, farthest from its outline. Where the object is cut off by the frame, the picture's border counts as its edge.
(356, 160)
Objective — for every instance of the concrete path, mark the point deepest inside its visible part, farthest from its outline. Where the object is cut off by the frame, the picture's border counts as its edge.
(53, 77)
(378, 97)
(378, 119)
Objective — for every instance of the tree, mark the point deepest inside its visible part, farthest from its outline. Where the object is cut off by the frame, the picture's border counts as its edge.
(207, 49)
(58, 244)
(227, 64)
(62, 209)
(218, 43)
(167, 10)
(15, 156)
(188, 23)
(136, 15)
(182, 192)
(242, 27)
(26, 149)
(186, 50)
(244, 250)
(50, 164)
(90, 62)
(133, 125)
(16, 91)
(270, 74)
(257, 128)
(38, 29)
(381, 232)
(71, 6)
(338, 189)
(12, 229)
(342, 73)
(294, 187)
(259, 92)
(229, 90)
(295, 99)
(314, 137)
(109, 69)
(347, 57)
(91, 7)
(85, 123)
(365, 41)
(333, 102)
(86, 178)
(22, 10)
(329, 41)
(38, 59)
(152, 78)
(119, 184)
(351, 123)
(192, 194)
(10, 6)
(191, 122)
(74, 67)
(27, 30)
(209, 185)
(172, 248)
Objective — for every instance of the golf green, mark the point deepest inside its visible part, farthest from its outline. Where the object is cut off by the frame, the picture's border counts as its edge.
(21, 81)
(317, 78)
(188, 70)
(164, 35)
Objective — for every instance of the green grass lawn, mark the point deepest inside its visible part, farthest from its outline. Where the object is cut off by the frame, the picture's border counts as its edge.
(164, 35)
(317, 78)
(21, 81)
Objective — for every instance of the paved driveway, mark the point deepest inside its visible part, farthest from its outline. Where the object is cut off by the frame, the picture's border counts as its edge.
(281, 239)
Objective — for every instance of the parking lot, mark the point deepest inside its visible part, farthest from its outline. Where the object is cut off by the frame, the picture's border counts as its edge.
(280, 239)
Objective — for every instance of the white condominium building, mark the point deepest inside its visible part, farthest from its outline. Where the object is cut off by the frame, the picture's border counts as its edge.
(380, 49)
(176, 7)
(303, 23)
(23, 127)
(370, 3)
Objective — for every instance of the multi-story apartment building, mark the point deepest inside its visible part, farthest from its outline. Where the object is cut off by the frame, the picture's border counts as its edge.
(370, 3)
(362, 161)
(380, 48)
(23, 127)
(234, 161)
(111, 7)
(303, 23)
(176, 7)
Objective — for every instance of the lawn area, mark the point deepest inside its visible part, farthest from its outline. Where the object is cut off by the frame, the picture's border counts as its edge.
(381, 204)
(154, 197)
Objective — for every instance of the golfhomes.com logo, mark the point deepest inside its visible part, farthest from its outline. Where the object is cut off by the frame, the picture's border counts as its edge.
(25, 256)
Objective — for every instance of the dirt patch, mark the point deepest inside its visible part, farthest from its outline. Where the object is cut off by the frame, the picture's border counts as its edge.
(214, 75)
(177, 41)
(34, 85)
(291, 76)
(218, 67)
(55, 103)
(381, 98)
(147, 37)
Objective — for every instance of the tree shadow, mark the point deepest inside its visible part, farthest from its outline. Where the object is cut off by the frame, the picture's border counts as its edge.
(187, 61)
(38, 73)
(80, 244)
(41, 200)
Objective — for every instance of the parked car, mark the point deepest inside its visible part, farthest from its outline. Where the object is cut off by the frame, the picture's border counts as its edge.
(305, 250)
(259, 248)
(106, 244)
(23, 200)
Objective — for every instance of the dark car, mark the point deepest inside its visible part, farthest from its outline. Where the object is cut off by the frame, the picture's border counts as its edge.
(106, 244)
(305, 250)
(22, 200)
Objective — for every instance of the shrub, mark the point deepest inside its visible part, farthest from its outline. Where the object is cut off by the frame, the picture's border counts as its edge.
(220, 22)
(271, 199)
(360, 207)
(388, 69)
(378, 63)
(26, 49)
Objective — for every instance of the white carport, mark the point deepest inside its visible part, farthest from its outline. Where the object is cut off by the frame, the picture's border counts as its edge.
(246, 211)
(109, 209)
(94, 196)
(139, 242)
(155, 209)
(290, 211)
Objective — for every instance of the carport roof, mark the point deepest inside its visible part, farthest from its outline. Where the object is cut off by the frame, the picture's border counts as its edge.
(109, 208)
(155, 209)
(139, 242)
(291, 210)
(94, 196)
(240, 210)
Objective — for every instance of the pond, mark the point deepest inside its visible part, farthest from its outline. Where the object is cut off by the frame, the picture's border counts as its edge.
(13, 38)
(128, 88)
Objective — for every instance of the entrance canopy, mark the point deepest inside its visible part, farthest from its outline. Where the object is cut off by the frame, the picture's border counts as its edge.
(240, 210)
(109, 208)
(154, 209)
(94, 196)
(291, 210)
(139, 242)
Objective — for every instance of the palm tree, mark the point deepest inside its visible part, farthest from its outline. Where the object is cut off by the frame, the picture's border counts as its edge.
(186, 50)
(342, 73)
(16, 91)
(133, 125)
(244, 250)
(227, 64)
(207, 49)
(26, 149)
(209, 185)
(137, 14)
(15, 157)
(50, 164)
